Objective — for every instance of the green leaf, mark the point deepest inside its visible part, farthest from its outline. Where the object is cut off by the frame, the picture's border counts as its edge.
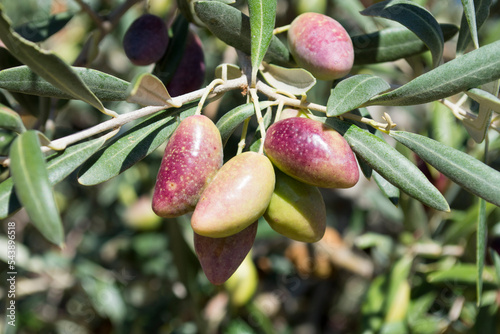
(104, 86)
(132, 146)
(46, 64)
(233, 27)
(148, 90)
(59, 167)
(32, 185)
(10, 120)
(392, 44)
(479, 14)
(414, 17)
(496, 262)
(296, 81)
(353, 92)
(462, 273)
(262, 18)
(233, 118)
(38, 31)
(388, 189)
(390, 164)
(461, 168)
(478, 126)
(227, 72)
(468, 71)
(482, 231)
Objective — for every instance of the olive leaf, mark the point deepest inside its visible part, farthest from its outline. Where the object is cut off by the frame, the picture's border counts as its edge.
(296, 81)
(10, 120)
(147, 90)
(470, 16)
(482, 231)
(479, 14)
(479, 125)
(40, 30)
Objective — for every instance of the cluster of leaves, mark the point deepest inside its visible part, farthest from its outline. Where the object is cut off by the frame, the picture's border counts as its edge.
(40, 82)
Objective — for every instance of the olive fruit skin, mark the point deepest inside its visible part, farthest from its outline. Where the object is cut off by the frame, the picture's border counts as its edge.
(236, 197)
(146, 40)
(190, 73)
(311, 152)
(297, 210)
(220, 257)
(192, 157)
(321, 45)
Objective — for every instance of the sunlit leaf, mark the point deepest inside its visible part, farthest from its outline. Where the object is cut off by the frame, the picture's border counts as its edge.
(468, 71)
(470, 16)
(46, 64)
(461, 168)
(148, 90)
(295, 81)
(38, 31)
(414, 17)
(33, 188)
(462, 273)
(486, 97)
(353, 92)
(390, 164)
(262, 18)
(482, 11)
(10, 120)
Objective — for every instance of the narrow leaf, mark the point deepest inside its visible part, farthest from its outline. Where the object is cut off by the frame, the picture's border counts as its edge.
(414, 17)
(468, 71)
(132, 146)
(106, 87)
(32, 185)
(462, 273)
(233, 27)
(478, 126)
(390, 164)
(391, 44)
(38, 31)
(296, 81)
(227, 72)
(482, 11)
(388, 189)
(10, 120)
(482, 230)
(470, 16)
(461, 168)
(262, 18)
(352, 92)
(148, 90)
(46, 64)
(485, 98)
(59, 167)
(496, 261)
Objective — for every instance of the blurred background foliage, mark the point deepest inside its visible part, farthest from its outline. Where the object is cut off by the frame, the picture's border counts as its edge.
(380, 268)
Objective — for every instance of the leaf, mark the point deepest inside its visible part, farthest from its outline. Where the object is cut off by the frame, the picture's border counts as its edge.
(478, 126)
(148, 90)
(10, 120)
(388, 189)
(496, 261)
(390, 164)
(482, 230)
(233, 28)
(414, 17)
(227, 72)
(132, 146)
(353, 92)
(296, 81)
(38, 31)
(485, 98)
(461, 274)
(262, 18)
(106, 87)
(392, 44)
(482, 11)
(468, 71)
(470, 16)
(461, 168)
(32, 185)
(46, 64)
(58, 167)
(233, 118)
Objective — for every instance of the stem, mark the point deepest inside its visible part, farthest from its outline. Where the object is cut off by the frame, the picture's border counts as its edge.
(206, 92)
(260, 120)
(242, 143)
(279, 30)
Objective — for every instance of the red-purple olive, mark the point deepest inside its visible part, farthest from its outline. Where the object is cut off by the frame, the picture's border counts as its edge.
(146, 40)
(220, 257)
(321, 45)
(192, 157)
(237, 196)
(311, 152)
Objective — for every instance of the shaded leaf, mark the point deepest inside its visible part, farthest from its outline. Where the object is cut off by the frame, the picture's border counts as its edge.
(478, 126)
(461, 273)
(461, 168)
(414, 17)
(482, 231)
(485, 98)
(392, 44)
(496, 261)
(10, 120)
(148, 90)
(262, 18)
(470, 16)
(227, 72)
(38, 31)
(106, 87)
(233, 27)
(33, 188)
(390, 164)
(132, 146)
(295, 81)
(388, 189)
(353, 92)
(468, 71)
(59, 167)
(482, 11)
(46, 64)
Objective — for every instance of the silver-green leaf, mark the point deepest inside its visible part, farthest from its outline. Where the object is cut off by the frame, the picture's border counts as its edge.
(482, 11)
(296, 81)
(147, 90)
(10, 120)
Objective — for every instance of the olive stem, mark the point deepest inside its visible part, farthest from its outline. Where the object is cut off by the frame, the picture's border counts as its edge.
(260, 119)
(279, 30)
(242, 142)
(206, 92)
